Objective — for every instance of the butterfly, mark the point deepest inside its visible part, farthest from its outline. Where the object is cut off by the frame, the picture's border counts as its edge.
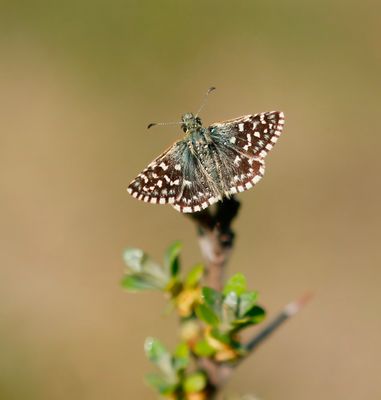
(209, 163)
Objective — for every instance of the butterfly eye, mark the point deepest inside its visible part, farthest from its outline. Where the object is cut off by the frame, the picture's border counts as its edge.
(184, 127)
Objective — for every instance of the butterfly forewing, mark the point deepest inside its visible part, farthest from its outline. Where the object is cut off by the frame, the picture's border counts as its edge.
(160, 181)
(245, 142)
(254, 135)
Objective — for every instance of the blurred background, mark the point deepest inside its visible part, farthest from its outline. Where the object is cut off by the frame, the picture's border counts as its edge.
(79, 82)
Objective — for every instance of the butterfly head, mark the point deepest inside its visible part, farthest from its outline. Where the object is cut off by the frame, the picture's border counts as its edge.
(190, 122)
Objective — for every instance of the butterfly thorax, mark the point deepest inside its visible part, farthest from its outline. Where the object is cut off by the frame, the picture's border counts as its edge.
(197, 136)
(197, 157)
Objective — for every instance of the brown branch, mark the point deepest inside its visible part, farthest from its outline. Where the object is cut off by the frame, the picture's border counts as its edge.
(288, 311)
(216, 239)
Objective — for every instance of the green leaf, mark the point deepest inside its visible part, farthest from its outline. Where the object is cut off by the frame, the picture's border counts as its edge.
(195, 382)
(133, 259)
(221, 337)
(257, 314)
(160, 356)
(174, 287)
(231, 300)
(203, 349)
(137, 283)
(138, 262)
(247, 302)
(181, 356)
(155, 350)
(237, 284)
(171, 260)
(160, 384)
(206, 314)
(254, 316)
(194, 276)
(212, 298)
(229, 309)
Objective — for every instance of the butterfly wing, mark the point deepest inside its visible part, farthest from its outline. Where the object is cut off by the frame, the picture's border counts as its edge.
(237, 151)
(159, 182)
(243, 143)
(198, 190)
(176, 177)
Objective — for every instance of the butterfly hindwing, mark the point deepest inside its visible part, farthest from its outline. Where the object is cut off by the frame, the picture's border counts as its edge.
(176, 177)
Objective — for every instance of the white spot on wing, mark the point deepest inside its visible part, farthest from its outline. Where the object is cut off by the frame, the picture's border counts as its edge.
(256, 179)
(163, 166)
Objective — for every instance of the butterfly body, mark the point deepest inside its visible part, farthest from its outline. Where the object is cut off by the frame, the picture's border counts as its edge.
(209, 163)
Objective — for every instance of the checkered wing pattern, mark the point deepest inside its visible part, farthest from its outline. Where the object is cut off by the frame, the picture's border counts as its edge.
(210, 163)
(159, 182)
(253, 135)
(176, 177)
(245, 142)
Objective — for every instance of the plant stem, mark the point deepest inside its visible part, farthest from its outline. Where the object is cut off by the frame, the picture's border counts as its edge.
(288, 311)
(216, 239)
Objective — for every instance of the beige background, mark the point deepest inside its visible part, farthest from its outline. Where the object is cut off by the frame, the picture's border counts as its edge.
(79, 82)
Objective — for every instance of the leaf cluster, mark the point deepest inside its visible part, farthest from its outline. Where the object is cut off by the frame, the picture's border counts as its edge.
(210, 321)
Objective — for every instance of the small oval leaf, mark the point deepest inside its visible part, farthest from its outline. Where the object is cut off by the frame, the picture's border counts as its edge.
(237, 284)
(195, 382)
(171, 259)
(206, 314)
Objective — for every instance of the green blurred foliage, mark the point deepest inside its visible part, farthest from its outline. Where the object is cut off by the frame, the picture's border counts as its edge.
(217, 318)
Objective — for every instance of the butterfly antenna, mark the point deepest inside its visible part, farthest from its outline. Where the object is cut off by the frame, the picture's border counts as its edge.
(205, 99)
(162, 123)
